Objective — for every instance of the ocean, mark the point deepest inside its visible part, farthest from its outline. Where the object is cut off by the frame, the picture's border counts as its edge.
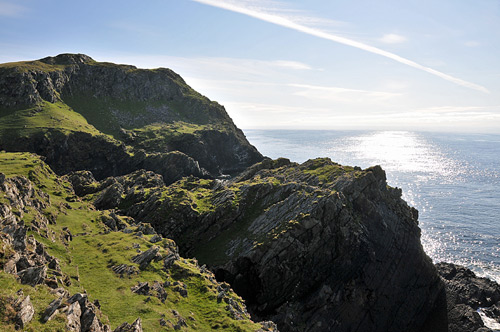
(452, 179)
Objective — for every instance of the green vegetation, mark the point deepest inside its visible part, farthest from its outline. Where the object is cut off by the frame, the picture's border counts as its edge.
(40, 297)
(325, 170)
(43, 117)
(159, 136)
(190, 192)
(87, 259)
(27, 66)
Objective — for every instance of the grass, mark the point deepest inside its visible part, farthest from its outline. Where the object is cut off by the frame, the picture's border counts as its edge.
(24, 123)
(88, 258)
(40, 297)
(27, 66)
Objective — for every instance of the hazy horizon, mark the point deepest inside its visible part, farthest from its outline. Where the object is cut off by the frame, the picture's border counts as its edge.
(320, 65)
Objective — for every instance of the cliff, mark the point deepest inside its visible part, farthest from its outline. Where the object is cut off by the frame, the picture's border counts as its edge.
(106, 226)
(313, 247)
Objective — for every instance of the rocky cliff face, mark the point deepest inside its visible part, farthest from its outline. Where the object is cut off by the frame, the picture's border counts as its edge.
(148, 113)
(313, 247)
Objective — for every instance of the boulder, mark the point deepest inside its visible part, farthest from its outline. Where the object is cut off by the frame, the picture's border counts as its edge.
(25, 312)
(126, 327)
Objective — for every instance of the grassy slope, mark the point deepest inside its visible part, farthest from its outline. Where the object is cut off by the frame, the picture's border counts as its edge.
(43, 117)
(92, 251)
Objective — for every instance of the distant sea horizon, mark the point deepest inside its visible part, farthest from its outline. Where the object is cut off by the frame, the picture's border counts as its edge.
(453, 179)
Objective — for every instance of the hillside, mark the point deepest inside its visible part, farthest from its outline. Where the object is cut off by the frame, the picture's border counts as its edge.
(112, 119)
(61, 247)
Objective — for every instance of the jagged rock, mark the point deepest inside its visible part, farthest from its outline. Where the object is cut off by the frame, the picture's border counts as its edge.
(126, 327)
(125, 270)
(268, 326)
(155, 238)
(113, 222)
(52, 309)
(60, 292)
(180, 288)
(25, 311)
(466, 294)
(181, 322)
(110, 197)
(146, 257)
(159, 289)
(141, 288)
(170, 258)
(33, 275)
(146, 229)
(83, 182)
(73, 316)
(88, 319)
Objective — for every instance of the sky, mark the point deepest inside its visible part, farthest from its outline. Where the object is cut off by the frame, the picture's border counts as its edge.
(421, 65)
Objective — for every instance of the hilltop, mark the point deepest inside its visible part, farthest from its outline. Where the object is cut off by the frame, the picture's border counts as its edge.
(112, 119)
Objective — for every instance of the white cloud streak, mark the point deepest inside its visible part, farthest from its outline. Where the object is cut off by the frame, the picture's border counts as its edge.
(261, 14)
(342, 94)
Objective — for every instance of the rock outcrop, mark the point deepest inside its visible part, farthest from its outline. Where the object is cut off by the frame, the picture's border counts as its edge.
(470, 299)
(313, 247)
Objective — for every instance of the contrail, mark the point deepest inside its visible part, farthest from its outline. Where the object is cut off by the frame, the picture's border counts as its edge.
(288, 23)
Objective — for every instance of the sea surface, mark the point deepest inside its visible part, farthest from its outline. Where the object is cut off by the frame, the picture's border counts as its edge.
(452, 179)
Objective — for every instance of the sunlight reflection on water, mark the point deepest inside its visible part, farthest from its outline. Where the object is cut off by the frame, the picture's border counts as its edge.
(453, 181)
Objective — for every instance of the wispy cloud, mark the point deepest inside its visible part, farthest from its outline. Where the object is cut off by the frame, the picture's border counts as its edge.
(209, 67)
(292, 65)
(393, 38)
(342, 94)
(261, 13)
(8, 9)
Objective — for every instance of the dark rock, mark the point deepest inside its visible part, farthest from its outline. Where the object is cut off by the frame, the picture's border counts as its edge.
(466, 294)
(146, 257)
(126, 327)
(83, 182)
(142, 288)
(372, 273)
(155, 238)
(160, 292)
(125, 270)
(113, 221)
(181, 322)
(33, 275)
(52, 309)
(146, 229)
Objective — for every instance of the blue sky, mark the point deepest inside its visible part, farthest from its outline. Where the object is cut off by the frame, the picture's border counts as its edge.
(316, 64)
